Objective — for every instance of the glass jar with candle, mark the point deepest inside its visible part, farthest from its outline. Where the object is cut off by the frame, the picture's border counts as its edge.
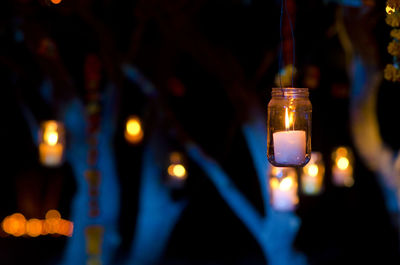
(289, 127)
(342, 167)
(283, 188)
(312, 176)
(51, 143)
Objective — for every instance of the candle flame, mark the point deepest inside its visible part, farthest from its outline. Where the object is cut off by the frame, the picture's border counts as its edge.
(288, 119)
(313, 170)
(286, 183)
(343, 163)
(287, 122)
(177, 171)
(51, 138)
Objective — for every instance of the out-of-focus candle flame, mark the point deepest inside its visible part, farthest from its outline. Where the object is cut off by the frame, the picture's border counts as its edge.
(343, 163)
(133, 130)
(286, 183)
(51, 137)
(312, 170)
(177, 171)
(389, 10)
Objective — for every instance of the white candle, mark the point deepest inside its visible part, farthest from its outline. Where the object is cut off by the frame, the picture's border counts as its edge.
(289, 147)
(284, 200)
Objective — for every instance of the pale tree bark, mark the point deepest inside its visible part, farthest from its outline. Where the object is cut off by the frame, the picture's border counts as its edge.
(366, 77)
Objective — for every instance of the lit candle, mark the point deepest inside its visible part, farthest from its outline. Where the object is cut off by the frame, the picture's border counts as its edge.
(50, 148)
(289, 145)
(283, 187)
(313, 175)
(342, 170)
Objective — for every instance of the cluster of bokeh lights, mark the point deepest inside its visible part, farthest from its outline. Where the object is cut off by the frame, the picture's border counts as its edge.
(17, 225)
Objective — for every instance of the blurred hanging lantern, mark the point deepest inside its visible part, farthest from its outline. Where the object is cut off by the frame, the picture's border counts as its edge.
(342, 169)
(392, 71)
(176, 171)
(283, 188)
(313, 175)
(51, 143)
(289, 127)
(133, 130)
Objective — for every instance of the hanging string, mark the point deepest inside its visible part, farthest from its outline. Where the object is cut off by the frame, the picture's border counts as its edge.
(284, 3)
(293, 43)
(280, 46)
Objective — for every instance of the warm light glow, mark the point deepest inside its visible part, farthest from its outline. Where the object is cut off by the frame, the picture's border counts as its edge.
(343, 163)
(53, 214)
(56, 2)
(286, 183)
(274, 183)
(133, 130)
(312, 170)
(14, 224)
(177, 170)
(17, 225)
(34, 227)
(287, 121)
(133, 126)
(342, 151)
(51, 138)
(389, 10)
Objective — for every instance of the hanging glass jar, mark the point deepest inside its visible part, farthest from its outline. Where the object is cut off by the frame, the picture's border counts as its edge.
(312, 176)
(283, 188)
(289, 127)
(342, 166)
(51, 143)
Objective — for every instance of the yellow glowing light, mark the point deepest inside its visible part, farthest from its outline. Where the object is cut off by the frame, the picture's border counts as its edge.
(274, 183)
(56, 2)
(177, 170)
(389, 10)
(286, 183)
(343, 163)
(287, 121)
(34, 227)
(133, 130)
(51, 138)
(133, 126)
(312, 170)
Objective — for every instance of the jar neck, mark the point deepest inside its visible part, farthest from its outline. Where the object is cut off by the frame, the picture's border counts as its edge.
(289, 92)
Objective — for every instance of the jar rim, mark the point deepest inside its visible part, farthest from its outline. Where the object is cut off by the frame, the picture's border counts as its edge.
(289, 92)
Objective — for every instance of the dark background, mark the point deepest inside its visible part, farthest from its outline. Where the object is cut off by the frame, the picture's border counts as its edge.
(342, 225)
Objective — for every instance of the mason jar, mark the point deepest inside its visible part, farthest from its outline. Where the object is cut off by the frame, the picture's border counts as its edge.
(289, 127)
(51, 143)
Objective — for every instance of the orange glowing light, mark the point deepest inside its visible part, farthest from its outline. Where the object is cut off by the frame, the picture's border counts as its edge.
(53, 214)
(133, 130)
(274, 183)
(56, 2)
(14, 224)
(50, 135)
(343, 163)
(34, 227)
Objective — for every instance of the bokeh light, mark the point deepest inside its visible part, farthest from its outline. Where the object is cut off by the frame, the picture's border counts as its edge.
(342, 163)
(34, 227)
(133, 130)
